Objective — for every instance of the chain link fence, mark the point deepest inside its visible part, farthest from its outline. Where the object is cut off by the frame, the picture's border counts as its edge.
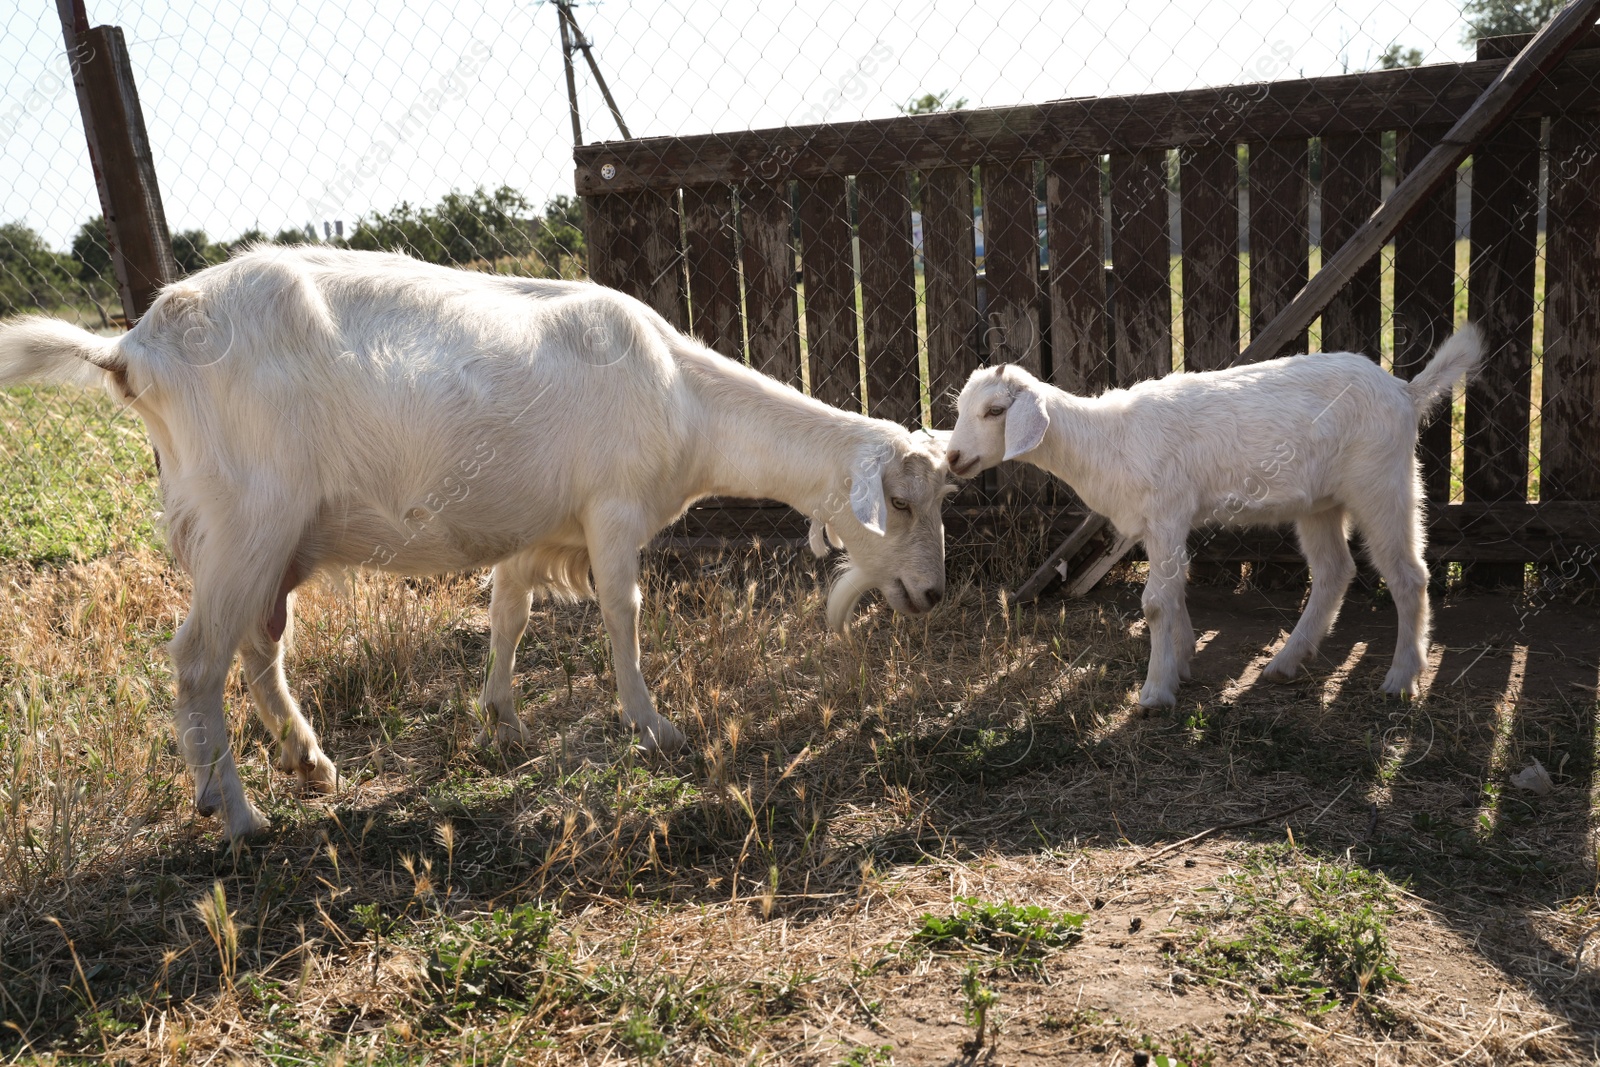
(869, 202)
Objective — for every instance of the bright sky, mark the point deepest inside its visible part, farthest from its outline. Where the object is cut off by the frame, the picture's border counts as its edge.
(276, 114)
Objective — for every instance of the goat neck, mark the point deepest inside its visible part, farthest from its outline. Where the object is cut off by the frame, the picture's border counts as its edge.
(765, 439)
(1081, 428)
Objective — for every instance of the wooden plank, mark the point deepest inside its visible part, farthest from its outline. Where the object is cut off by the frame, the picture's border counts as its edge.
(1208, 190)
(766, 220)
(889, 298)
(1570, 432)
(1351, 188)
(1424, 298)
(950, 278)
(1011, 317)
(1011, 265)
(1092, 524)
(119, 149)
(829, 278)
(1503, 532)
(1142, 264)
(711, 255)
(1280, 233)
(1208, 186)
(606, 244)
(1279, 222)
(1076, 232)
(632, 241)
(1508, 45)
(1308, 107)
(1535, 69)
(1500, 279)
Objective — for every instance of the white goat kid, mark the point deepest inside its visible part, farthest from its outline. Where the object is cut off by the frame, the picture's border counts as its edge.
(1325, 441)
(314, 409)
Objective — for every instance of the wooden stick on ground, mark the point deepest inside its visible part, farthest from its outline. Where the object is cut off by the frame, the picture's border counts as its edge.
(1213, 831)
(1520, 77)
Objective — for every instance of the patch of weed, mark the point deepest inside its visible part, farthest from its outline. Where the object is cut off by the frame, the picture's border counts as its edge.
(1319, 934)
(869, 1056)
(494, 957)
(1017, 930)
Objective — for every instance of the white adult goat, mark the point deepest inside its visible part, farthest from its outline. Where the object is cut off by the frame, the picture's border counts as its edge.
(313, 408)
(1322, 440)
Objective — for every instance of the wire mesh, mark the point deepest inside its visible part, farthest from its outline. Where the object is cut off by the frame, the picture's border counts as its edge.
(868, 202)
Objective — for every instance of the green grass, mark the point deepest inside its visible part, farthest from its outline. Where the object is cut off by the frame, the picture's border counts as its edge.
(77, 477)
(1017, 930)
(1317, 932)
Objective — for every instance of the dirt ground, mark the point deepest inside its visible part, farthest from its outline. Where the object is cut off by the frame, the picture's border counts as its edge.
(1494, 969)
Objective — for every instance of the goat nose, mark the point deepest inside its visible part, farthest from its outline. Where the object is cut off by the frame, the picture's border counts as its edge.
(953, 458)
(933, 596)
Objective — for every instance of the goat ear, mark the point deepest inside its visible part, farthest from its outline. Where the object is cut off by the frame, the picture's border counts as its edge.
(1026, 422)
(866, 492)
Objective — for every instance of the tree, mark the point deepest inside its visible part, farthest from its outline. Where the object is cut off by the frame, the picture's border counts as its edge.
(1496, 18)
(193, 251)
(928, 103)
(91, 258)
(32, 277)
(482, 225)
(289, 235)
(414, 231)
(477, 227)
(1396, 56)
(252, 236)
(560, 233)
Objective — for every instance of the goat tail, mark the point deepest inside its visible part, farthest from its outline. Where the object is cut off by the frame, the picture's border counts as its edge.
(1454, 360)
(35, 349)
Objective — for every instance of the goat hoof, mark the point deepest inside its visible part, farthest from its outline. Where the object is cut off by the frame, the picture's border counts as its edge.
(506, 735)
(661, 737)
(318, 774)
(1279, 672)
(1155, 697)
(208, 801)
(249, 823)
(1400, 685)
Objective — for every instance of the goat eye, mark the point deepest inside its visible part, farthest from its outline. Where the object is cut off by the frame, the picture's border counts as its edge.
(900, 505)
(994, 412)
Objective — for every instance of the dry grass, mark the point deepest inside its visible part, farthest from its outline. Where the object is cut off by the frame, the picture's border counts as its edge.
(758, 899)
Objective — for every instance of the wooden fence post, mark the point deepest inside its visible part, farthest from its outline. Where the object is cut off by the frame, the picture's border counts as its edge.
(119, 151)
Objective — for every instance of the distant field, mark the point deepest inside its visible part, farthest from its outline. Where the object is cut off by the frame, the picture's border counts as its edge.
(76, 476)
